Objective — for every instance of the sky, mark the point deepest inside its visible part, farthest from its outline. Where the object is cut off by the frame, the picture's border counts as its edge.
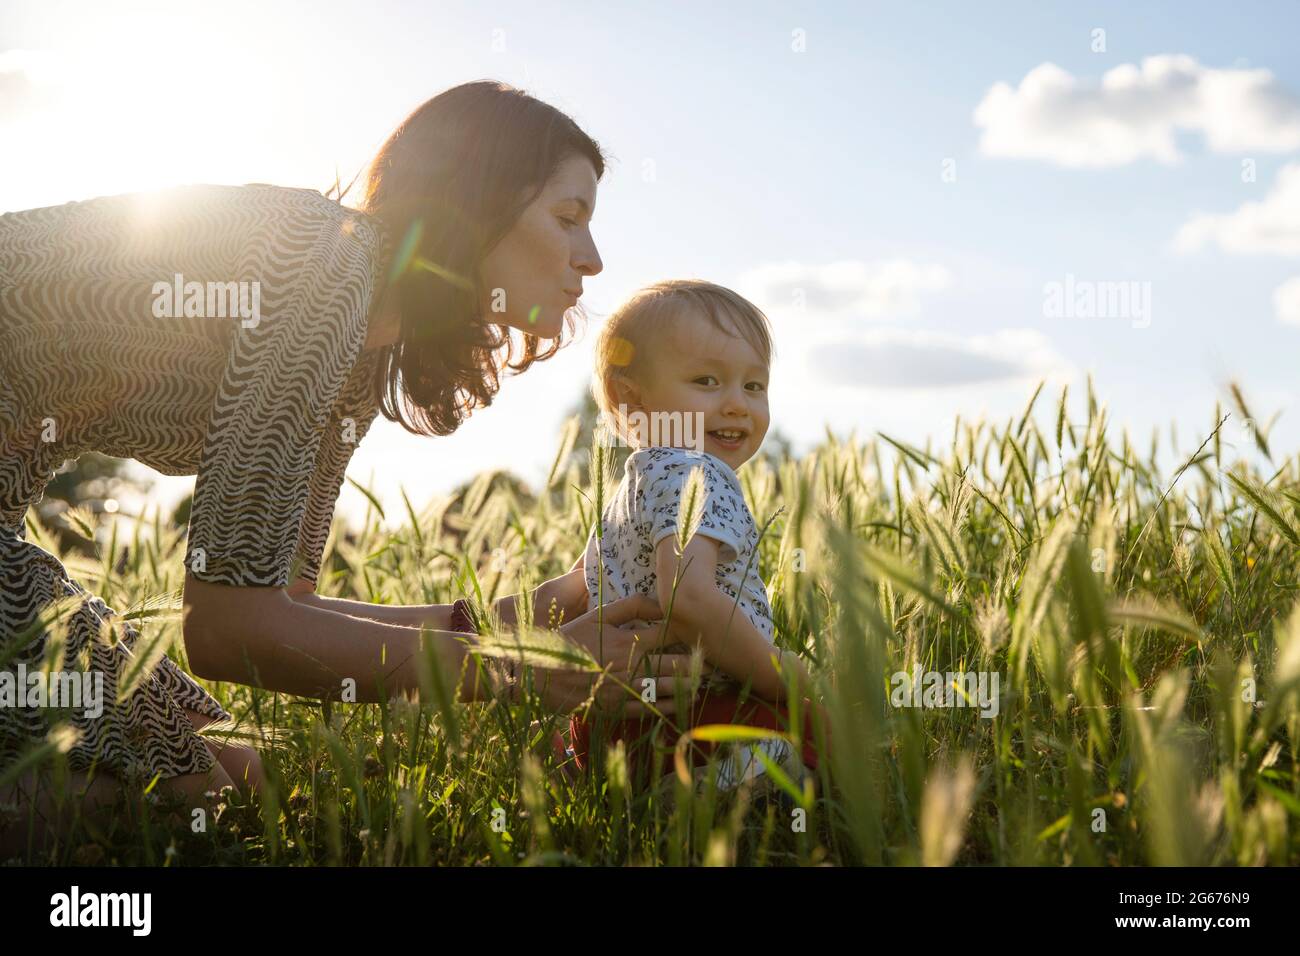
(937, 205)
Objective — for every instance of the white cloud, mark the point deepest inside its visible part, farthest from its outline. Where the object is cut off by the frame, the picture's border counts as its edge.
(1286, 302)
(882, 289)
(896, 358)
(1270, 225)
(1135, 112)
(823, 318)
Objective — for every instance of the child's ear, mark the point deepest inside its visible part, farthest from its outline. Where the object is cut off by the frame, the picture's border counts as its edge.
(625, 392)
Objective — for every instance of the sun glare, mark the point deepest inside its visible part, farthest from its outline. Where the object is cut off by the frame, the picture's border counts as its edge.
(140, 105)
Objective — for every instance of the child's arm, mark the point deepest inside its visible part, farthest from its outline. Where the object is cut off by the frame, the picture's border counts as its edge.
(703, 615)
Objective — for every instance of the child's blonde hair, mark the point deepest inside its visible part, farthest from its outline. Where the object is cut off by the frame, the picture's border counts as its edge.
(624, 344)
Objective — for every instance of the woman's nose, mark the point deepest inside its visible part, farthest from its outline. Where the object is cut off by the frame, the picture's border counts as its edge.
(586, 258)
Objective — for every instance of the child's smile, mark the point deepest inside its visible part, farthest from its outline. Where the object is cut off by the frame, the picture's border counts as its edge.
(730, 439)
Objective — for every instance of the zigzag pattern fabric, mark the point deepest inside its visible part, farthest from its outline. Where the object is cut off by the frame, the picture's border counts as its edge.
(266, 405)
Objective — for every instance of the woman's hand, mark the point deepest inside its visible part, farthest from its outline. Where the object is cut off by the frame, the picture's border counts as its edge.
(621, 647)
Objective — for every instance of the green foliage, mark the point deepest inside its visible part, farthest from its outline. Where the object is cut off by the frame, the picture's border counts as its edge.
(1144, 630)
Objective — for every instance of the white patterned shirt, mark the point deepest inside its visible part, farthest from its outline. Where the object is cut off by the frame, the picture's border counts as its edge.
(643, 510)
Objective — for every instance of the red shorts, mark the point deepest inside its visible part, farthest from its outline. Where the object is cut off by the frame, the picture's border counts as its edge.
(716, 707)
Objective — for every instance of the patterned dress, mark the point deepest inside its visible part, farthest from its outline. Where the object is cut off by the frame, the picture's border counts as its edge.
(261, 388)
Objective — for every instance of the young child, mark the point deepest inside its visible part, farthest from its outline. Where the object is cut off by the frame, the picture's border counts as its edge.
(681, 375)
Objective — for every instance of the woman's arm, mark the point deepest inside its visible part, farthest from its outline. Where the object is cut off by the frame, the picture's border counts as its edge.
(261, 636)
(701, 614)
(436, 617)
(568, 591)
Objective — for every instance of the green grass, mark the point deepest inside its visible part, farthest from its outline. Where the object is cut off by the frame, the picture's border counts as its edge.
(1128, 614)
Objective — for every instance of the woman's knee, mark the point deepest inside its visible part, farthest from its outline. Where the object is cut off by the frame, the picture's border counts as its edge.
(242, 764)
(194, 787)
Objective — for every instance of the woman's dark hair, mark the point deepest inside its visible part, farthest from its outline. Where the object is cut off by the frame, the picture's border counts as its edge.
(446, 187)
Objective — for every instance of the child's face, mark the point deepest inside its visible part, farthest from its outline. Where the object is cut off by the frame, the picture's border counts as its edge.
(717, 379)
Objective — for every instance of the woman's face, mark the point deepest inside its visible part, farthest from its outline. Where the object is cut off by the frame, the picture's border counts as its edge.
(534, 274)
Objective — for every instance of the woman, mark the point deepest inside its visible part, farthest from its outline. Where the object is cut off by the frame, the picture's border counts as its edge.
(475, 221)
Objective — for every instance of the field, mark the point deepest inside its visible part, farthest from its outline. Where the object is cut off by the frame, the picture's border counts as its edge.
(1142, 627)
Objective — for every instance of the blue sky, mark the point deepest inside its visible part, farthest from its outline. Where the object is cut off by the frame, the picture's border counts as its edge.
(828, 149)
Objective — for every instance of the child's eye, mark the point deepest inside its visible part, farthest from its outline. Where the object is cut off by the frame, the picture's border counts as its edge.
(568, 222)
(760, 387)
(705, 379)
